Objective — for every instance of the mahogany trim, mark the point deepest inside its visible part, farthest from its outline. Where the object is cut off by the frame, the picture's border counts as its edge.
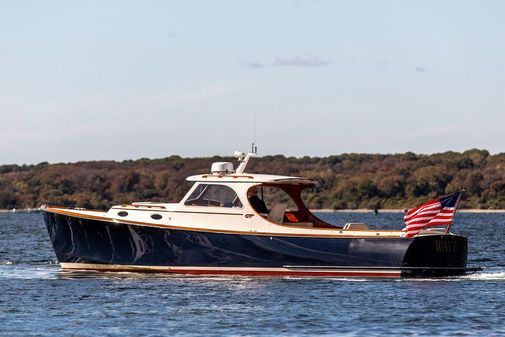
(166, 211)
(237, 271)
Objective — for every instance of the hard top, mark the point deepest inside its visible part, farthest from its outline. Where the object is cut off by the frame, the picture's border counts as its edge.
(251, 178)
(239, 176)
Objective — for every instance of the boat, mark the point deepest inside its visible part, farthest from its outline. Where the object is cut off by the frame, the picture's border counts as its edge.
(232, 222)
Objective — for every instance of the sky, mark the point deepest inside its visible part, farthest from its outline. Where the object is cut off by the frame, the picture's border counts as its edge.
(115, 80)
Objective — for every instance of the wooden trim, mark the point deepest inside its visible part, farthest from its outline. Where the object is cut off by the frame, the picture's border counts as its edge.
(226, 176)
(214, 213)
(44, 207)
(165, 211)
(240, 271)
(136, 209)
(146, 206)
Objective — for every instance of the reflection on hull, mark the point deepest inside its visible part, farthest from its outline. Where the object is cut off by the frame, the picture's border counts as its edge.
(87, 244)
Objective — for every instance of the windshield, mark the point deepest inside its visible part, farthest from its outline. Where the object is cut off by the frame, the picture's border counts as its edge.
(213, 195)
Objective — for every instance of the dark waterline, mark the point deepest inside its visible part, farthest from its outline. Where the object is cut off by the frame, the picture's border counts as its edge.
(39, 299)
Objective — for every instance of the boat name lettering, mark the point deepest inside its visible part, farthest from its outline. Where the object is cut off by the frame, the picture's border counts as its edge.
(446, 246)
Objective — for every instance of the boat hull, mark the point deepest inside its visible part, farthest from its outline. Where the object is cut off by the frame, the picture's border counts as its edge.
(88, 244)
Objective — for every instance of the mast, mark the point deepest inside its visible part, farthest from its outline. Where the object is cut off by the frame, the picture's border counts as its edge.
(455, 209)
(243, 160)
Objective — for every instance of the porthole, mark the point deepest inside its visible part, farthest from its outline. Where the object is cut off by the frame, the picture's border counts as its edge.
(156, 216)
(122, 213)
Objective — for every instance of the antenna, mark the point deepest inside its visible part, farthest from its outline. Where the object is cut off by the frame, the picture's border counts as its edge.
(254, 139)
(254, 148)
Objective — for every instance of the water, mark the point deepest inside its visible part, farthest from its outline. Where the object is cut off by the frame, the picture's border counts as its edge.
(37, 299)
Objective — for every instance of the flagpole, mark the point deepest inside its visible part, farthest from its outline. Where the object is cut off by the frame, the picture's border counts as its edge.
(455, 209)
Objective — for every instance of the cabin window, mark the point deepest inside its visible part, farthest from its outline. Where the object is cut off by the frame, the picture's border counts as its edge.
(214, 195)
(156, 216)
(122, 213)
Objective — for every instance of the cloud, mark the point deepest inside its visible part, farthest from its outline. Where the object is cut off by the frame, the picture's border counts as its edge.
(300, 61)
(384, 65)
(253, 64)
(303, 61)
(298, 3)
(421, 69)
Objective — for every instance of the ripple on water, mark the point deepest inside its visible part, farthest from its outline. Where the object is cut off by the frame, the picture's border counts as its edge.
(489, 274)
(24, 271)
(52, 270)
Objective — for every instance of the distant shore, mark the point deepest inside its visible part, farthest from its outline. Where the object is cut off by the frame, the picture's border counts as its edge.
(389, 182)
(20, 210)
(323, 210)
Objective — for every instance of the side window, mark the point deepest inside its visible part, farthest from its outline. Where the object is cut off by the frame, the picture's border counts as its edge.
(275, 195)
(213, 195)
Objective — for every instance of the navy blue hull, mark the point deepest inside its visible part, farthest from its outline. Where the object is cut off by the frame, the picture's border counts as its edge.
(80, 240)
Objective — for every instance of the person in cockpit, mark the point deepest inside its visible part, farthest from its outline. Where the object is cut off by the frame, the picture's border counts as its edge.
(258, 204)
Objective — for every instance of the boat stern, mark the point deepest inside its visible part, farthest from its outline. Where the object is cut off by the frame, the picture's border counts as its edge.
(436, 256)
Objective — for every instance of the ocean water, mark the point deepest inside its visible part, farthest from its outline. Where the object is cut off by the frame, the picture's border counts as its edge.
(38, 299)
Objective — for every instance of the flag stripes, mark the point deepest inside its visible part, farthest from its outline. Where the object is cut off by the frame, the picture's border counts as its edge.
(438, 212)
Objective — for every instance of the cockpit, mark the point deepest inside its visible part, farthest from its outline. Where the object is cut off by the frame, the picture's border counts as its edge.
(283, 204)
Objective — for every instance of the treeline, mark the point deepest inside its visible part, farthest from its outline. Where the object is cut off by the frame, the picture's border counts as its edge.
(347, 181)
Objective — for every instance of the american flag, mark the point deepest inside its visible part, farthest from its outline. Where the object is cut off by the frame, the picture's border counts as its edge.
(438, 212)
